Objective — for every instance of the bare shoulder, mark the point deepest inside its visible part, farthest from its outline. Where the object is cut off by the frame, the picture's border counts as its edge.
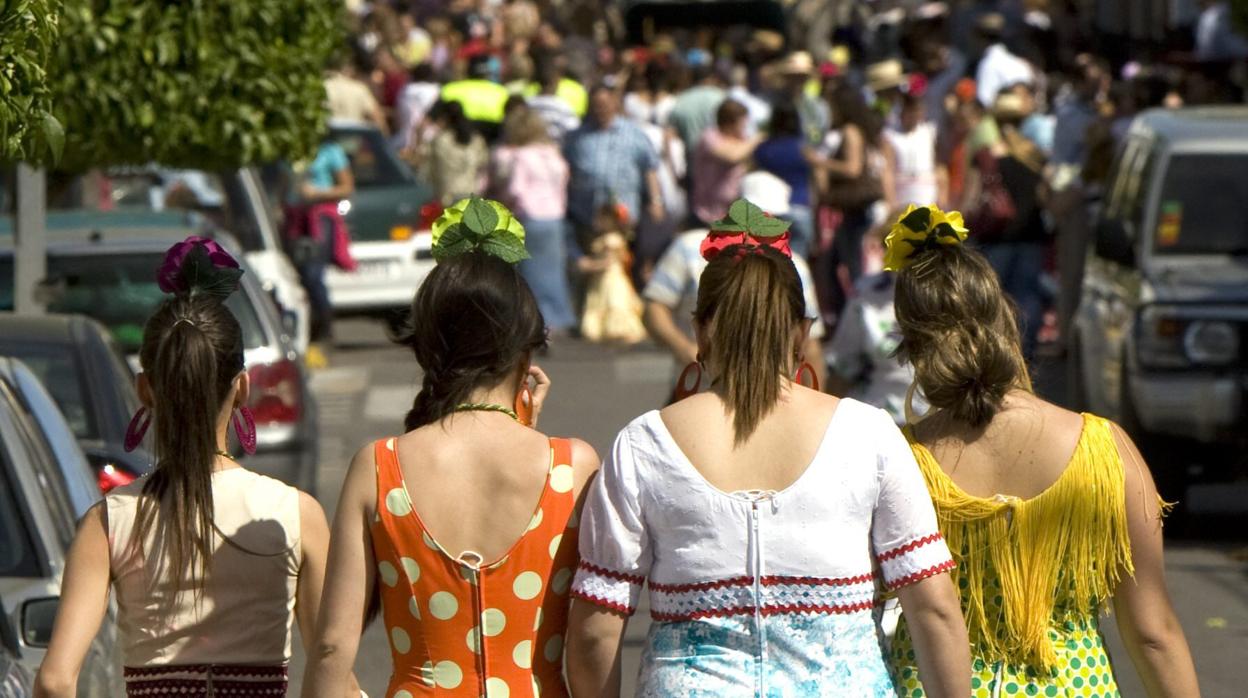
(585, 462)
(310, 510)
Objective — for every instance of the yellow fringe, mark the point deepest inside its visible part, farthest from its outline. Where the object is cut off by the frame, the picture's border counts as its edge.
(1057, 555)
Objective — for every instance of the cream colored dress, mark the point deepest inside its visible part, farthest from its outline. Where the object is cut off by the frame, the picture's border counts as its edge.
(612, 307)
(245, 613)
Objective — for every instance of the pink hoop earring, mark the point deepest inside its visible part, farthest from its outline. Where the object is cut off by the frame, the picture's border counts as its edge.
(683, 389)
(246, 430)
(137, 429)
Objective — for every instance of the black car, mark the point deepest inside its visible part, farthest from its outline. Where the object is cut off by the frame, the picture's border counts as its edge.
(82, 366)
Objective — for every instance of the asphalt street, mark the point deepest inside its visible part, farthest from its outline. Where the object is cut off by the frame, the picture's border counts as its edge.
(370, 385)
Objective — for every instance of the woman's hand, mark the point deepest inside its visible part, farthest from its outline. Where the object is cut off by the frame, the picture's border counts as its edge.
(538, 391)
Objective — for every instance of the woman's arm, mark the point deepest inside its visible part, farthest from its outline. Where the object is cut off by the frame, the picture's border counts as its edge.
(1146, 619)
(349, 582)
(593, 650)
(84, 602)
(855, 160)
(934, 615)
(735, 150)
(314, 546)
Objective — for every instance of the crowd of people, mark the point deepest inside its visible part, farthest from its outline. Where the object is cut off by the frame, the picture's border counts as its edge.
(1009, 112)
(741, 203)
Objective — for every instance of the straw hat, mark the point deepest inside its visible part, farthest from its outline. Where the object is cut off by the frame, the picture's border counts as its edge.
(1009, 107)
(797, 63)
(885, 75)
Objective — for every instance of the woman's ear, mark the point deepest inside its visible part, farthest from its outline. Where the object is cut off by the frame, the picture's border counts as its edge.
(242, 389)
(144, 388)
(701, 337)
(801, 336)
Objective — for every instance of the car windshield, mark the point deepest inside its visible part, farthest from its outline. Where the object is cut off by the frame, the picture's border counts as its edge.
(373, 163)
(60, 371)
(1202, 207)
(121, 294)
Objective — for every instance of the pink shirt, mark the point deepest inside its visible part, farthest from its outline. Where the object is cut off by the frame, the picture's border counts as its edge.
(532, 180)
(716, 182)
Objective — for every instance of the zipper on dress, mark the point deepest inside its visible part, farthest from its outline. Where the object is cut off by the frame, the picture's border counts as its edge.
(473, 574)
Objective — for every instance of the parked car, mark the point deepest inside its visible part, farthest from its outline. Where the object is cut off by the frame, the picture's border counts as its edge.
(389, 218)
(1161, 334)
(82, 366)
(233, 201)
(45, 487)
(15, 679)
(109, 274)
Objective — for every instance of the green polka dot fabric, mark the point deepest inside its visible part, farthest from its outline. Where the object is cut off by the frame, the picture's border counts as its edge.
(1083, 665)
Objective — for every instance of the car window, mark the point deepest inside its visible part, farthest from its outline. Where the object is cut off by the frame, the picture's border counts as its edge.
(60, 370)
(51, 482)
(17, 547)
(67, 465)
(1201, 205)
(121, 294)
(373, 163)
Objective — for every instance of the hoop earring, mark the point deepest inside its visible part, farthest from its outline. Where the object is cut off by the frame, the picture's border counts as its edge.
(809, 370)
(137, 429)
(683, 389)
(246, 430)
(524, 407)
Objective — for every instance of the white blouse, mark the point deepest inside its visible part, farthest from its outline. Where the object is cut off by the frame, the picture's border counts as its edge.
(814, 547)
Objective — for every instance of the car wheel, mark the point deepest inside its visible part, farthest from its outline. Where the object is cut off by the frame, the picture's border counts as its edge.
(396, 325)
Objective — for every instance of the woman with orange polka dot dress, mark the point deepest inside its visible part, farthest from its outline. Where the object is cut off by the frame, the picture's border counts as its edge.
(464, 527)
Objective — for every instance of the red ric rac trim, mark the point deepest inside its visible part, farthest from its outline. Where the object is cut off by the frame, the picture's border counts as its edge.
(773, 580)
(599, 601)
(912, 545)
(765, 610)
(921, 575)
(611, 574)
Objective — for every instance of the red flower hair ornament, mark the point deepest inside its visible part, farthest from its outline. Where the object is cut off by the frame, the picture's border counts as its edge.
(748, 228)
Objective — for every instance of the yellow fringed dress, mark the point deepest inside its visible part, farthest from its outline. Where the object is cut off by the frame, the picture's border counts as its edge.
(1033, 575)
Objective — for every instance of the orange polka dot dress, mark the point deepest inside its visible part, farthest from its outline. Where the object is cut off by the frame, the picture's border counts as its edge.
(455, 629)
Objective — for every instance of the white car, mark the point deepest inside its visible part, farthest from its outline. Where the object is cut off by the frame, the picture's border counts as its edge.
(389, 218)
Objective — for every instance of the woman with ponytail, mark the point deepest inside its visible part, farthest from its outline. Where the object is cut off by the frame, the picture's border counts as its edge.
(463, 528)
(209, 562)
(761, 513)
(1051, 515)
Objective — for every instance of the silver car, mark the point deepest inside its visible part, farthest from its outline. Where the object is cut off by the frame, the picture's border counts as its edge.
(45, 487)
(1161, 334)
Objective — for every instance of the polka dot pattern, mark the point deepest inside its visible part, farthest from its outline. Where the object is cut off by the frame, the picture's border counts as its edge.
(445, 619)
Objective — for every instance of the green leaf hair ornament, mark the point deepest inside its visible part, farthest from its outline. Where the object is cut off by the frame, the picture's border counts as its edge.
(476, 224)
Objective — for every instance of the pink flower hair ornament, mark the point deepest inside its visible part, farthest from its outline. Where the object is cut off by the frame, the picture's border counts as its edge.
(198, 266)
(749, 229)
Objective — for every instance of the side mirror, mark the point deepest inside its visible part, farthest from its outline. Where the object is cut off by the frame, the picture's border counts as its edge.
(1114, 242)
(38, 616)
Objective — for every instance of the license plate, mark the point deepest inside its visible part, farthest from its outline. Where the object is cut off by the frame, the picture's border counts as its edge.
(378, 267)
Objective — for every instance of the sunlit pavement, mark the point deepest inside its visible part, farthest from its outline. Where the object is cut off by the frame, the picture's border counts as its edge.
(369, 386)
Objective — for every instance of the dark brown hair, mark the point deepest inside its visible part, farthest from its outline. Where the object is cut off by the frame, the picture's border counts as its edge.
(758, 291)
(192, 352)
(730, 112)
(959, 331)
(472, 321)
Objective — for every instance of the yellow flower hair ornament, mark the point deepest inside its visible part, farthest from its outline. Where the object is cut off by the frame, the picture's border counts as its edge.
(921, 229)
(478, 224)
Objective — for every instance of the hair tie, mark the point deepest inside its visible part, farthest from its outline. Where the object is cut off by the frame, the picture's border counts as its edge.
(198, 266)
(921, 229)
(476, 224)
(181, 320)
(749, 228)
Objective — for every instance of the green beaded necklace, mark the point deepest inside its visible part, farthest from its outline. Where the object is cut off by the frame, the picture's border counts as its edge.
(486, 407)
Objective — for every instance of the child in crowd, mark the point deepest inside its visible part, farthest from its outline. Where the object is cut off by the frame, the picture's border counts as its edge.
(612, 310)
(860, 357)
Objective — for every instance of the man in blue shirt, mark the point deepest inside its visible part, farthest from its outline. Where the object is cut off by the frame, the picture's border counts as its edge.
(610, 157)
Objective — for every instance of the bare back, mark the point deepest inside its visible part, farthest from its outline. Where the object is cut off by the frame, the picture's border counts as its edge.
(772, 458)
(476, 479)
(1021, 452)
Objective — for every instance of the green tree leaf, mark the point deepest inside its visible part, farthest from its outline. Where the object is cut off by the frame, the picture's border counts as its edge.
(480, 218)
(54, 135)
(505, 246)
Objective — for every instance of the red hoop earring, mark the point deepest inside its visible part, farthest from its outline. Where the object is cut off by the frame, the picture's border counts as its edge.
(246, 430)
(137, 429)
(809, 370)
(683, 389)
(524, 407)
